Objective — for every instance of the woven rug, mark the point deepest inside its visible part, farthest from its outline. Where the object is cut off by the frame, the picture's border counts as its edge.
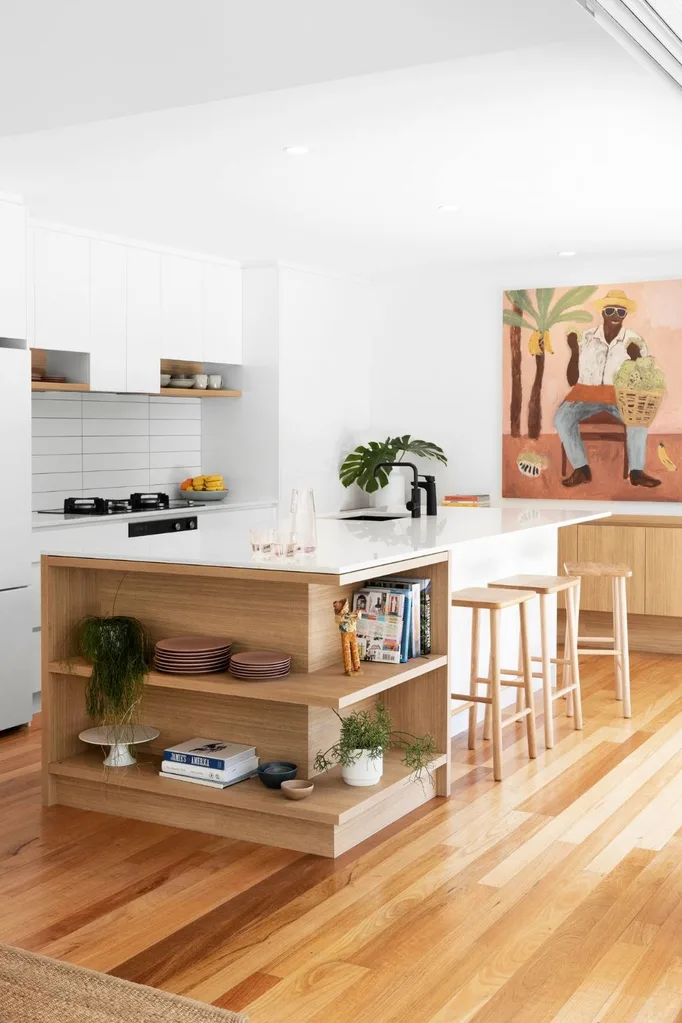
(34, 989)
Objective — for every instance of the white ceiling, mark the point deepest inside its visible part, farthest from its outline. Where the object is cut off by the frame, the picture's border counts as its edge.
(560, 145)
(71, 61)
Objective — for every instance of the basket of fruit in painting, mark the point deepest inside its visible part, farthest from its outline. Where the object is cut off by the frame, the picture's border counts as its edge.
(640, 387)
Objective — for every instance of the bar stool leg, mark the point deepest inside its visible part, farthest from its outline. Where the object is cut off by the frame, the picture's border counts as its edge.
(495, 687)
(546, 673)
(473, 685)
(625, 652)
(528, 681)
(488, 716)
(617, 637)
(520, 695)
(572, 594)
(571, 652)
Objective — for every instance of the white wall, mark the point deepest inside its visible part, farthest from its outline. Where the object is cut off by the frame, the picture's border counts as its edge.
(327, 331)
(438, 370)
(306, 383)
(240, 437)
(111, 445)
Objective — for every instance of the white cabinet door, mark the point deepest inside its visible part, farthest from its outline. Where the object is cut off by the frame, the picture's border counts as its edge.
(17, 672)
(222, 315)
(61, 265)
(12, 270)
(181, 308)
(143, 320)
(15, 467)
(107, 316)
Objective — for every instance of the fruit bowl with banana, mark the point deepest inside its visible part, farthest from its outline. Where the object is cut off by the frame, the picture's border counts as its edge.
(203, 488)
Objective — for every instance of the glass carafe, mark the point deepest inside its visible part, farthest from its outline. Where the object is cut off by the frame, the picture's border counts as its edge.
(303, 524)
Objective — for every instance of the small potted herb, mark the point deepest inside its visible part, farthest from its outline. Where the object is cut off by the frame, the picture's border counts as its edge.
(365, 737)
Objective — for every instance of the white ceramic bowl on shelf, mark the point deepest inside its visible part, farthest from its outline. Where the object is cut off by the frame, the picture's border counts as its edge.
(202, 495)
(181, 382)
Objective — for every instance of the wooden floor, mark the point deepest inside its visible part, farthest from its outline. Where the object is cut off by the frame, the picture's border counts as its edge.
(556, 895)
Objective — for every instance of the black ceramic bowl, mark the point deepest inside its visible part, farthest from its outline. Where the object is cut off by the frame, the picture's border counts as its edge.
(275, 772)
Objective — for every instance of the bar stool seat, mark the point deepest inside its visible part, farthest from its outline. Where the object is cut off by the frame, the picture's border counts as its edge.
(544, 586)
(616, 645)
(494, 600)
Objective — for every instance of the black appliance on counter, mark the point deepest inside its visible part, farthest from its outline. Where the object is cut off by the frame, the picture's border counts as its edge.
(76, 507)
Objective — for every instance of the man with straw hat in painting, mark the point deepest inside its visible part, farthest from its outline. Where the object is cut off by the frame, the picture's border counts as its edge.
(595, 358)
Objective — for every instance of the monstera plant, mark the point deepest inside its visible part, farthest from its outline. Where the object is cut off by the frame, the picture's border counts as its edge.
(360, 466)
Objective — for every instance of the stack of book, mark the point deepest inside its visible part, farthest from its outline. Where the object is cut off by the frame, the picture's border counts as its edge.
(394, 621)
(212, 762)
(466, 501)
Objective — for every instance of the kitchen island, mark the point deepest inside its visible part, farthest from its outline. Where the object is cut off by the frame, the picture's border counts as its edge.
(210, 584)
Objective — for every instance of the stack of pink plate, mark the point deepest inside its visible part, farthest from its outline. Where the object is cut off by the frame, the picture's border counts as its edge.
(192, 655)
(255, 665)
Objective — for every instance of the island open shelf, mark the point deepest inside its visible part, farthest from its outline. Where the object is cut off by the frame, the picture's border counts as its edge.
(288, 719)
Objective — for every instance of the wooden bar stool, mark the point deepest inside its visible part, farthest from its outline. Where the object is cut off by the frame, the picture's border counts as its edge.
(496, 600)
(618, 642)
(544, 586)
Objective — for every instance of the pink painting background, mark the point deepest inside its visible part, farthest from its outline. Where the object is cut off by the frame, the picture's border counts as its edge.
(658, 320)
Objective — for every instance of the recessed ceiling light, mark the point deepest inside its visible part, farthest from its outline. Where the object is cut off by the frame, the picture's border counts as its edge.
(297, 150)
(566, 253)
(448, 208)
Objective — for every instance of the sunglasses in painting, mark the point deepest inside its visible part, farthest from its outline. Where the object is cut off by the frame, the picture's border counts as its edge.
(618, 309)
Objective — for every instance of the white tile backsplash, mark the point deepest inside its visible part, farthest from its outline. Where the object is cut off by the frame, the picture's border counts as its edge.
(110, 445)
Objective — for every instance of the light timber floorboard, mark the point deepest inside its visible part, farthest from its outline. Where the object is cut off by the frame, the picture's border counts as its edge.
(552, 897)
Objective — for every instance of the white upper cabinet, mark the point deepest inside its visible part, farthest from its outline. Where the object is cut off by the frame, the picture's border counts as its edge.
(12, 270)
(108, 327)
(181, 308)
(143, 294)
(222, 319)
(61, 267)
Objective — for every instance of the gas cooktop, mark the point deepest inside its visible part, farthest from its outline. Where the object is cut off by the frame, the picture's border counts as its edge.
(77, 507)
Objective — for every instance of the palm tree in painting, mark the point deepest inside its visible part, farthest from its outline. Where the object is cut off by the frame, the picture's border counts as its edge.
(539, 319)
(516, 398)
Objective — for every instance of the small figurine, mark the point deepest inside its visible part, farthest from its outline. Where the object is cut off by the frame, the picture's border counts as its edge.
(347, 622)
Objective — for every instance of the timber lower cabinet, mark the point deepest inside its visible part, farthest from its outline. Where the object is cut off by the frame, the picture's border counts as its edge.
(652, 547)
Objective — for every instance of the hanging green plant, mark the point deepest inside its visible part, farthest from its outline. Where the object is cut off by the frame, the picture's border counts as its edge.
(118, 648)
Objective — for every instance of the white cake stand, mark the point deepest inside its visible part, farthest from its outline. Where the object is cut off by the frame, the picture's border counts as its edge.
(119, 739)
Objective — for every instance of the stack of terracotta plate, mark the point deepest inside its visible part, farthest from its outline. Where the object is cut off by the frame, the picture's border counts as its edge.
(258, 665)
(192, 655)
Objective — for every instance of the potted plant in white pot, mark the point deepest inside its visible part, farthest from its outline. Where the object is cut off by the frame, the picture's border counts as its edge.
(385, 487)
(365, 737)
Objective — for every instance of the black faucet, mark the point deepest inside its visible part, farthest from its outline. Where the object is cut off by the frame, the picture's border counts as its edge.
(429, 485)
(414, 505)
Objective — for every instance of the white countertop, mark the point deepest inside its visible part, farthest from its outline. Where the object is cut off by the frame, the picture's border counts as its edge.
(343, 545)
(40, 520)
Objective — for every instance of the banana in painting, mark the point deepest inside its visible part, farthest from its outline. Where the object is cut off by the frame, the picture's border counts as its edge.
(593, 392)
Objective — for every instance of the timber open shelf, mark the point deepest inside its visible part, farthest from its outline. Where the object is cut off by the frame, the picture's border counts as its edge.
(332, 802)
(323, 688)
(197, 392)
(46, 385)
(286, 719)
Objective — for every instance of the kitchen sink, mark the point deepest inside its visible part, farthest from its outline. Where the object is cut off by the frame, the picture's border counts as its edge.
(371, 518)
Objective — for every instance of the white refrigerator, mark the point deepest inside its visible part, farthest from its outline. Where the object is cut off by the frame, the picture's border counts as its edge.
(16, 667)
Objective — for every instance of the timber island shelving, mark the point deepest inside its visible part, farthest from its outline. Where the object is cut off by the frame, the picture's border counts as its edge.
(287, 719)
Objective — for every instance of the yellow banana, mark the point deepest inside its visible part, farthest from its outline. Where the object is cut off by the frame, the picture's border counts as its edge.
(540, 343)
(665, 459)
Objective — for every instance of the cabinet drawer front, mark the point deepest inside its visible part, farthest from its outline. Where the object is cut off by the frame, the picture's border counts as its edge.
(613, 544)
(663, 575)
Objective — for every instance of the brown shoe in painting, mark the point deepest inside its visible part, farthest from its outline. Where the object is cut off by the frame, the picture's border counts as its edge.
(581, 475)
(640, 479)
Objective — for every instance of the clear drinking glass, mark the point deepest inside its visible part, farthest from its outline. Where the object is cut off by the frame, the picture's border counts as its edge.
(303, 523)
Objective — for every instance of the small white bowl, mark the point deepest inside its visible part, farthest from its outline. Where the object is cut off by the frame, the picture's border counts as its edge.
(165, 379)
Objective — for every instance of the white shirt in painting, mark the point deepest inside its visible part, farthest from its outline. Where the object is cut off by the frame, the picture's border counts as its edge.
(598, 360)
